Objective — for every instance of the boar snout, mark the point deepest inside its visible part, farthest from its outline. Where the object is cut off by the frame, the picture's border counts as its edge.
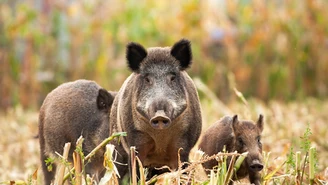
(256, 165)
(160, 120)
(160, 107)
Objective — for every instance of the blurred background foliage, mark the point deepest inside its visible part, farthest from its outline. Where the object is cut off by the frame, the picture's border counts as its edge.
(265, 49)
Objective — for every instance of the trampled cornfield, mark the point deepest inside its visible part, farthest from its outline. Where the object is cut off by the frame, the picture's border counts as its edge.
(285, 126)
(249, 57)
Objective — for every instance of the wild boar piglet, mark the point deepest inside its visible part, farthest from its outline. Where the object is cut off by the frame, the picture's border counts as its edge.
(235, 135)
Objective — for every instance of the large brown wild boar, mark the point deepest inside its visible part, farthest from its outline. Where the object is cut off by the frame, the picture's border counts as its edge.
(69, 111)
(158, 106)
(241, 136)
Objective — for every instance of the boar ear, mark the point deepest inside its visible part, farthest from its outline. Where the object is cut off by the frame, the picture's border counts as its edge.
(182, 52)
(235, 122)
(259, 123)
(104, 99)
(135, 53)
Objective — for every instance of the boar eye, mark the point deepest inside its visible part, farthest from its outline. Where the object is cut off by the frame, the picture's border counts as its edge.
(147, 79)
(259, 140)
(240, 141)
(173, 77)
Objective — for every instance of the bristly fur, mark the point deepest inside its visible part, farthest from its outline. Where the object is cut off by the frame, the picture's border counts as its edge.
(69, 111)
(236, 135)
(158, 85)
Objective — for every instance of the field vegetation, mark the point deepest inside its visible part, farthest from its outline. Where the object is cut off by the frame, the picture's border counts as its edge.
(249, 57)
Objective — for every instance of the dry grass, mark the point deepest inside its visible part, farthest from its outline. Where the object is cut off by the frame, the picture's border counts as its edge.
(19, 149)
(285, 124)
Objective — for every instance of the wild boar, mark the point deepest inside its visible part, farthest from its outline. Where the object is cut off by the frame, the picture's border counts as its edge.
(157, 106)
(241, 136)
(69, 111)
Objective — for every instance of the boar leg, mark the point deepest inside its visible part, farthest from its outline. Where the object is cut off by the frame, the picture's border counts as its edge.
(48, 175)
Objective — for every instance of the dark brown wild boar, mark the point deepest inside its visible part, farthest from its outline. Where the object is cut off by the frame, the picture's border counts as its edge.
(241, 136)
(69, 111)
(157, 106)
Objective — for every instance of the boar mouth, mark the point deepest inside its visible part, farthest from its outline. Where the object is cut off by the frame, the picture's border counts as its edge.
(160, 120)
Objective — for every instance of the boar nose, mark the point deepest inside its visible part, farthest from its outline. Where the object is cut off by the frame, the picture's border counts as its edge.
(256, 166)
(160, 120)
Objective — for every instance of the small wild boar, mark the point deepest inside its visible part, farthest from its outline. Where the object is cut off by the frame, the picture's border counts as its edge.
(158, 107)
(69, 111)
(240, 136)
